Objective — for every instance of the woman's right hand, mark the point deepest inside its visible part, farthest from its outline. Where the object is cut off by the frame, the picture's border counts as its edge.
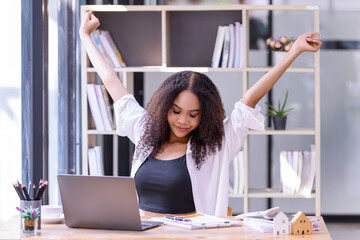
(89, 24)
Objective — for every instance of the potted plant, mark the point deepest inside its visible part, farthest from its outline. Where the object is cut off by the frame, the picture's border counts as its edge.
(279, 115)
(29, 217)
(280, 46)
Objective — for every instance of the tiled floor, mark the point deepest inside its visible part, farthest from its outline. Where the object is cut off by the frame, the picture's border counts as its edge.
(344, 231)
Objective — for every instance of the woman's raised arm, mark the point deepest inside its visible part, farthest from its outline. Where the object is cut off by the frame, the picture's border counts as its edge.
(105, 71)
(306, 42)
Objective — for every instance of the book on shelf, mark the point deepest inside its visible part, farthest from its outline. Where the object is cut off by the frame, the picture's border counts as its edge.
(95, 37)
(231, 46)
(94, 107)
(96, 164)
(238, 45)
(111, 48)
(228, 49)
(219, 42)
(103, 109)
(108, 107)
(297, 171)
(100, 107)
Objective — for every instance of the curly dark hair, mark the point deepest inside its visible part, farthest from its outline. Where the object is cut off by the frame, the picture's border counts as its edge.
(207, 137)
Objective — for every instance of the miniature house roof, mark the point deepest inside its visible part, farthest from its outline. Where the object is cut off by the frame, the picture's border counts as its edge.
(281, 215)
(300, 224)
(300, 216)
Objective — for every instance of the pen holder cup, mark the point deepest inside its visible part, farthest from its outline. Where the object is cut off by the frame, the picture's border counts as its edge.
(34, 204)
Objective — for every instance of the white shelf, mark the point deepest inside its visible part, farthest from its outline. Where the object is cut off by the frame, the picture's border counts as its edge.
(164, 50)
(303, 131)
(270, 193)
(171, 69)
(275, 193)
(200, 69)
(266, 69)
(236, 195)
(96, 132)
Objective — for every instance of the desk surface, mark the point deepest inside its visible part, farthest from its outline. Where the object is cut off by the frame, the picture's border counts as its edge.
(11, 230)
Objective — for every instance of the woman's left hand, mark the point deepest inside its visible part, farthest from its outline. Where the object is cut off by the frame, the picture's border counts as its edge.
(308, 42)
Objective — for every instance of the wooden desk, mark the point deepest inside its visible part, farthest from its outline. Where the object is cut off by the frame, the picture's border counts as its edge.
(11, 230)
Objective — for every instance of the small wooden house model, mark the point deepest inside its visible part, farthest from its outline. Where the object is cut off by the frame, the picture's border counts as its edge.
(281, 224)
(300, 224)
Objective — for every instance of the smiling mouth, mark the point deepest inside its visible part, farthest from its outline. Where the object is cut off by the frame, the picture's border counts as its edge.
(181, 129)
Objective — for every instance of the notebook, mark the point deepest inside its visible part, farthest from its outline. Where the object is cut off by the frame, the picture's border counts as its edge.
(101, 202)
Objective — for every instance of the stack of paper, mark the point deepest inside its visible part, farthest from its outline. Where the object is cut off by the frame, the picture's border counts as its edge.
(197, 220)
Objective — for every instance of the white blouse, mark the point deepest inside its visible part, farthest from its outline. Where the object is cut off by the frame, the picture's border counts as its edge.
(210, 184)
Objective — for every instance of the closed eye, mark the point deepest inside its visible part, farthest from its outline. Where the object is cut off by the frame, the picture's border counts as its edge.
(176, 112)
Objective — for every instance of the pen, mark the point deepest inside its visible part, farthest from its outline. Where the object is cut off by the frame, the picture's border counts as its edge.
(178, 218)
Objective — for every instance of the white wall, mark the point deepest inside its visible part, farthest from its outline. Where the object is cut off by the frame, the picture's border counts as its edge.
(10, 106)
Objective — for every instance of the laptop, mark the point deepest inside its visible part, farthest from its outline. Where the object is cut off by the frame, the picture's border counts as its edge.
(103, 202)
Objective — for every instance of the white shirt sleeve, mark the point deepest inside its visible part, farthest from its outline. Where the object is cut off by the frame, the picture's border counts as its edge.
(236, 126)
(129, 117)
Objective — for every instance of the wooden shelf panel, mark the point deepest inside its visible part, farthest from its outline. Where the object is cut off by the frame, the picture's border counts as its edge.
(120, 8)
(96, 132)
(301, 131)
(199, 69)
(171, 69)
(266, 69)
(275, 193)
(236, 195)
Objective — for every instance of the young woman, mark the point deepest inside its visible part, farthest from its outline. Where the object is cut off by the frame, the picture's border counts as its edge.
(183, 142)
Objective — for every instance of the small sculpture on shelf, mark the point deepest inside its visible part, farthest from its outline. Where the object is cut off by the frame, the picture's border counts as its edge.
(279, 115)
(281, 224)
(300, 224)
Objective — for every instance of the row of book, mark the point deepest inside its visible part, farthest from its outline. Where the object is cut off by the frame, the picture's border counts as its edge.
(237, 182)
(100, 107)
(228, 49)
(96, 164)
(297, 171)
(106, 46)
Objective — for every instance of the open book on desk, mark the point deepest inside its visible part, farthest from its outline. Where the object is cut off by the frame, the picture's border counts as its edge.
(197, 220)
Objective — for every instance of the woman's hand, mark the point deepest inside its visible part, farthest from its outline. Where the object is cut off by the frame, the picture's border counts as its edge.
(307, 42)
(89, 24)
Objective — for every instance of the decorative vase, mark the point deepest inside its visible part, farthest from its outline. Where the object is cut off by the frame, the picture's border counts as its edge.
(279, 123)
(33, 204)
(29, 225)
(277, 56)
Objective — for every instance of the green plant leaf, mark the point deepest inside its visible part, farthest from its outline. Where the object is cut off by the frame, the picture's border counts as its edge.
(286, 96)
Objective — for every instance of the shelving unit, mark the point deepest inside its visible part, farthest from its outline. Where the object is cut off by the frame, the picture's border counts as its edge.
(160, 38)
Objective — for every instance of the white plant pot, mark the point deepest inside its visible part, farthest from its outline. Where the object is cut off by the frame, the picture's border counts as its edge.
(277, 56)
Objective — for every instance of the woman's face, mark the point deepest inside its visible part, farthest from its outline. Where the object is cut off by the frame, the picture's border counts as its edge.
(184, 115)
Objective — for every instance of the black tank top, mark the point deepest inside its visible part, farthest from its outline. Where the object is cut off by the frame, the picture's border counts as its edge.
(164, 186)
